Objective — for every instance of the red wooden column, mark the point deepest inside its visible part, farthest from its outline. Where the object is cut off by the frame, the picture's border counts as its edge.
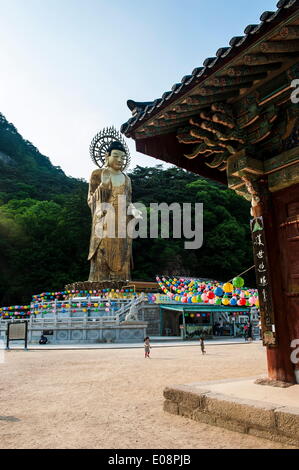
(281, 222)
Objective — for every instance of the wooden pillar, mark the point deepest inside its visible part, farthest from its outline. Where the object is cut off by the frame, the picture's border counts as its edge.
(282, 266)
(283, 240)
(273, 189)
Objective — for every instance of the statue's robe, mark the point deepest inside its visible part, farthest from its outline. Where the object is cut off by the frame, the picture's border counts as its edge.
(110, 256)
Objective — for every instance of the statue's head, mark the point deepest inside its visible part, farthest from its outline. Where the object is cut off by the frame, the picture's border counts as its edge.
(116, 155)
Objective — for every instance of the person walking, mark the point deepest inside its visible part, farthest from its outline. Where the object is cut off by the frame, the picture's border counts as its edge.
(147, 347)
(260, 329)
(202, 345)
(246, 332)
(249, 332)
(221, 325)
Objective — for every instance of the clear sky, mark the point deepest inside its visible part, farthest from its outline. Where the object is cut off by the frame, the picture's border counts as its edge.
(69, 66)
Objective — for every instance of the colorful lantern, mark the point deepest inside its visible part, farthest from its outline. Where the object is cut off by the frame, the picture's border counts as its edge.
(228, 287)
(238, 282)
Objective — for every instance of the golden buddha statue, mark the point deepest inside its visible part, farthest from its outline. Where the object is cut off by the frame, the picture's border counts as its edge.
(109, 198)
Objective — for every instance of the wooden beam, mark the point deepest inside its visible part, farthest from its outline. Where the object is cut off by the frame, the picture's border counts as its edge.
(280, 46)
(167, 148)
(181, 108)
(222, 108)
(218, 160)
(262, 59)
(184, 137)
(224, 120)
(195, 121)
(289, 32)
(230, 81)
(198, 99)
(208, 91)
(201, 150)
(244, 70)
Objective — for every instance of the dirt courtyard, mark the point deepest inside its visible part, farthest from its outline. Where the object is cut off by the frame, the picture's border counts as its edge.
(113, 398)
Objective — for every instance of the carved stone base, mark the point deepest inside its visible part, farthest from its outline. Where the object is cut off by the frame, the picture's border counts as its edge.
(95, 286)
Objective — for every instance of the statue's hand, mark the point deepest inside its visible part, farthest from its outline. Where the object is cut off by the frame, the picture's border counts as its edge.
(106, 178)
(135, 212)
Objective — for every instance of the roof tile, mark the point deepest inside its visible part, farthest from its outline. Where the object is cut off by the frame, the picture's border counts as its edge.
(285, 3)
(268, 15)
(142, 112)
(221, 51)
(165, 95)
(250, 29)
(186, 78)
(197, 70)
(201, 72)
(210, 61)
(235, 40)
(175, 86)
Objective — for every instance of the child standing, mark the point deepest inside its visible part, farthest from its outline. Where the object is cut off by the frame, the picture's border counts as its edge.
(147, 347)
(202, 345)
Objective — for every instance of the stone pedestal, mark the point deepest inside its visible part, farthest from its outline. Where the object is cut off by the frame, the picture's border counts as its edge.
(239, 405)
(96, 286)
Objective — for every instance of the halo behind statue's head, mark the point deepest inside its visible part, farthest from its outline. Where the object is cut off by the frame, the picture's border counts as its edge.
(103, 142)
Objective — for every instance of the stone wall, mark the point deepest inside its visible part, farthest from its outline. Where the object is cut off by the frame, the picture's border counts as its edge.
(85, 334)
(150, 313)
(265, 420)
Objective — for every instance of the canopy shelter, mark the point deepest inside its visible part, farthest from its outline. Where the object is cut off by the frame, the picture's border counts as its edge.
(235, 120)
(204, 308)
(199, 319)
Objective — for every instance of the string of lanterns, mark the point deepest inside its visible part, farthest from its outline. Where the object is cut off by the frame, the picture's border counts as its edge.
(50, 302)
(229, 294)
(69, 294)
(16, 311)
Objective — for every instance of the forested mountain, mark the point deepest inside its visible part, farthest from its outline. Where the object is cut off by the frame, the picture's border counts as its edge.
(25, 172)
(45, 224)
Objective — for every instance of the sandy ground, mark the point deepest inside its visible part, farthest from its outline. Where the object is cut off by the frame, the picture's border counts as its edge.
(113, 398)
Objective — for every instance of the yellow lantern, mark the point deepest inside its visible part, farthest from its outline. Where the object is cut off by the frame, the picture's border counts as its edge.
(225, 301)
(228, 287)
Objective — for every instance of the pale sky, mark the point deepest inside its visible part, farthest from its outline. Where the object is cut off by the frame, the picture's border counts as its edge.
(68, 67)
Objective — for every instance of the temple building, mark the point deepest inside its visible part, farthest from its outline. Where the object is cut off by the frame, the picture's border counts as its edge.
(235, 120)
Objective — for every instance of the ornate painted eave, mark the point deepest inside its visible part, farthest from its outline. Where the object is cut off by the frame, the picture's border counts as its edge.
(232, 102)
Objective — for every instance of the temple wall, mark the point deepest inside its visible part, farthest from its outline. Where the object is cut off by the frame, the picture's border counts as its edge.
(151, 315)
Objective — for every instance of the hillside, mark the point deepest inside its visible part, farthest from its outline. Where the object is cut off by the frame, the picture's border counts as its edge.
(45, 224)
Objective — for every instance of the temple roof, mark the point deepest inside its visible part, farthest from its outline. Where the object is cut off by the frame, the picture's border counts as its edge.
(238, 103)
(259, 59)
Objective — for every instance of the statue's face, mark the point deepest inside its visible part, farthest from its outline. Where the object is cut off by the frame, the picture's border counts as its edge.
(116, 159)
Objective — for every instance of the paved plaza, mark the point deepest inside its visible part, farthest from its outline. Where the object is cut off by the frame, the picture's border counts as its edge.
(113, 398)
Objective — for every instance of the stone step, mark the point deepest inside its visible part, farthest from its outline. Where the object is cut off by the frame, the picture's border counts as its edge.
(241, 406)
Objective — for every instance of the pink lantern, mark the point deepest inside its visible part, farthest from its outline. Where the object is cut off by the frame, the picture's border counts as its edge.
(204, 297)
